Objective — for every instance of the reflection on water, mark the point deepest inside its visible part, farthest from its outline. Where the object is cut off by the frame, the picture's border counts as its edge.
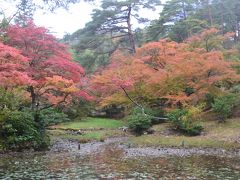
(111, 163)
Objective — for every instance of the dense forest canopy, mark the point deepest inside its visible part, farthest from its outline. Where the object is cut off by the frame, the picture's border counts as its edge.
(178, 21)
(187, 59)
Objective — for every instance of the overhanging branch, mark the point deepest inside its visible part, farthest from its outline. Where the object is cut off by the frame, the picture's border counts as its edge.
(51, 105)
(140, 106)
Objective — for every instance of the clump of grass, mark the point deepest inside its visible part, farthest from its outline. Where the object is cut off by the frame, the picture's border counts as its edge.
(97, 135)
(84, 140)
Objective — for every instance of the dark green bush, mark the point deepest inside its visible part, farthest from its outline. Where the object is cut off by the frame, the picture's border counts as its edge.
(191, 128)
(114, 111)
(19, 131)
(223, 105)
(151, 112)
(79, 108)
(175, 117)
(182, 121)
(52, 116)
(209, 99)
(138, 123)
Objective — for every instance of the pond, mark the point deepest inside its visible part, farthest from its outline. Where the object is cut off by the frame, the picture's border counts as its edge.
(111, 162)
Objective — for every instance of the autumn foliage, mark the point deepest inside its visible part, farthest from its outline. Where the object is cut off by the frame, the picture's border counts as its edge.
(178, 73)
(13, 67)
(42, 64)
(37, 73)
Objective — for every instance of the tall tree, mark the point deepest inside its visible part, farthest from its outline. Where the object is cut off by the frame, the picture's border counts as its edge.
(25, 10)
(176, 21)
(56, 77)
(91, 50)
(115, 19)
(227, 16)
(110, 29)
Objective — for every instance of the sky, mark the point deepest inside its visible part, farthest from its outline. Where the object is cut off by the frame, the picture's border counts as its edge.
(65, 21)
(68, 21)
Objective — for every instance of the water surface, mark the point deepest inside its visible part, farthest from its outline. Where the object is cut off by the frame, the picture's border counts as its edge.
(111, 162)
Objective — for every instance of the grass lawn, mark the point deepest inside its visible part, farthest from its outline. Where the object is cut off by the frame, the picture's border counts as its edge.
(215, 135)
(94, 129)
(89, 123)
(179, 141)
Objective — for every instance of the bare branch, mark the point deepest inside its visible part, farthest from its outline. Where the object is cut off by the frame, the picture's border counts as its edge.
(140, 106)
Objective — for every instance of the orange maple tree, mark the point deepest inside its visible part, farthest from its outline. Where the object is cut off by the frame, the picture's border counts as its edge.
(176, 72)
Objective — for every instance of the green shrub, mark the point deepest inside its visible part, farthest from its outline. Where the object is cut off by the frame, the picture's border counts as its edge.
(182, 121)
(11, 100)
(223, 105)
(175, 117)
(52, 116)
(114, 111)
(19, 131)
(191, 128)
(151, 112)
(79, 108)
(136, 110)
(138, 123)
(235, 89)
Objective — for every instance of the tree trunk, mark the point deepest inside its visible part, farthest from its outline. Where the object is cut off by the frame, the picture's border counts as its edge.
(33, 97)
(130, 34)
(222, 16)
(184, 11)
(238, 30)
(210, 14)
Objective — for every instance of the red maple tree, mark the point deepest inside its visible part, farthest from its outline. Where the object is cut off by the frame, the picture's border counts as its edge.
(56, 77)
(13, 68)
